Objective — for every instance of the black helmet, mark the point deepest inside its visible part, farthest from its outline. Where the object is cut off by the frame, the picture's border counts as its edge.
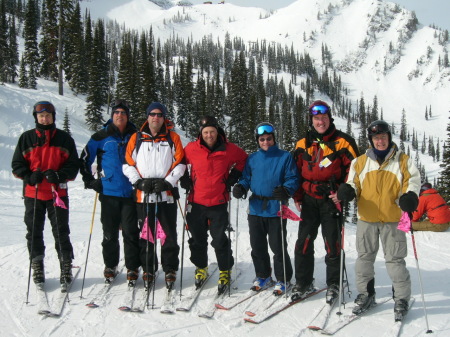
(378, 127)
(44, 106)
(120, 104)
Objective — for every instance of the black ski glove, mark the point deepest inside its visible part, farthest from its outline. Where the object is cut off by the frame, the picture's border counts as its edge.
(35, 178)
(239, 191)
(281, 193)
(408, 202)
(233, 178)
(145, 185)
(94, 184)
(161, 184)
(176, 193)
(186, 182)
(323, 190)
(346, 192)
(53, 177)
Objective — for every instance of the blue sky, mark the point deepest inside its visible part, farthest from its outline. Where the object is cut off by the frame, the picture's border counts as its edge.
(428, 12)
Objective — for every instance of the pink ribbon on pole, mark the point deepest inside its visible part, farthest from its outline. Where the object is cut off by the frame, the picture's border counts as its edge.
(405, 223)
(288, 213)
(159, 232)
(58, 200)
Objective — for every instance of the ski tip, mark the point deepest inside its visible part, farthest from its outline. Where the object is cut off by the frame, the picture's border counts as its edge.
(249, 313)
(315, 328)
(125, 308)
(44, 312)
(167, 311)
(92, 305)
(249, 320)
(182, 309)
(220, 306)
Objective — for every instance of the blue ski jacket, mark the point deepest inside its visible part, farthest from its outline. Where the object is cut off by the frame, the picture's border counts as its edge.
(108, 145)
(265, 170)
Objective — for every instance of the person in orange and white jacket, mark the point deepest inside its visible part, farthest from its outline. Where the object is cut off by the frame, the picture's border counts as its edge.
(433, 208)
(154, 161)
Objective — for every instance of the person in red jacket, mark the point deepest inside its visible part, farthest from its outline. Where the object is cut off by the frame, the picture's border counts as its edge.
(46, 158)
(433, 208)
(215, 166)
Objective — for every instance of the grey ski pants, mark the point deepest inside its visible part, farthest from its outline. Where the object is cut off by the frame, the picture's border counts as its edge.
(394, 246)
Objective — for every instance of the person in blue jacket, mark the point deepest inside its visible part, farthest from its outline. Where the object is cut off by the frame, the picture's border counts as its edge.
(272, 176)
(118, 209)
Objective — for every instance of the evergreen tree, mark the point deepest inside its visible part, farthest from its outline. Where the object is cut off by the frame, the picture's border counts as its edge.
(444, 177)
(48, 45)
(31, 53)
(13, 51)
(66, 123)
(3, 43)
(403, 131)
(23, 75)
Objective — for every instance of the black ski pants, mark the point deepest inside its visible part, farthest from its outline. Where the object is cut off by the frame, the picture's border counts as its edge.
(167, 216)
(119, 213)
(200, 219)
(260, 228)
(59, 221)
(316, 212)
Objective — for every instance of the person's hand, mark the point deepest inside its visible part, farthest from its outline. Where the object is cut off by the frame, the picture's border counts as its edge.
(94, 184)
(186, 182)
(408, 202)
(346, 192)
(145, 185)
(52, 176)
(239, 191)
(160, 185)
(35, 178)
(298, 205)
(233, 178)
(280, 193)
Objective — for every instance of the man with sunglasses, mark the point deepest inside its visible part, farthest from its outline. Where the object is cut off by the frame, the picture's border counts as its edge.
(272, 176)
(118, 210)
(45, 159)
(215, 166)
(154, 161)
(385, 182)
(323, 159)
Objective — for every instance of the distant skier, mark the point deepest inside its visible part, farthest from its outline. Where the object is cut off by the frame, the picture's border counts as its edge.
(45, 159)
(272, 176)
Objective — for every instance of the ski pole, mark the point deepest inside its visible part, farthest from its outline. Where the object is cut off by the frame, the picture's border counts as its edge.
(420, 276)
(158, 195)
(146, 196)
(229, 247)
(282, 247)
(182, 242)
(341, 268)
(32, 242)
(236, 240)
(89, 243)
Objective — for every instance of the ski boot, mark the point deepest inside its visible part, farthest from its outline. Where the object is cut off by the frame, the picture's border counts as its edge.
(132, 276)
(281, 288)
(401, 308)
(224, 281)
(261, 283)
(38, 272)
(148, 280)
(109, 274)
(171, 277)
(299, 291)
(201, 274)
(66, 277)
(332, 294)
(363, 303)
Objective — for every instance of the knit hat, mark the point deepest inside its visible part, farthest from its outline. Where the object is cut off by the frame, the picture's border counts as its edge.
(120, 104)
(317, 108)
(44, 106)
(156, 105)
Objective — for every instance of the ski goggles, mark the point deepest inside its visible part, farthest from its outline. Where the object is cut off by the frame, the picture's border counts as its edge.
(319, 109)
(265, 129)
(44, 106)
(378, 129)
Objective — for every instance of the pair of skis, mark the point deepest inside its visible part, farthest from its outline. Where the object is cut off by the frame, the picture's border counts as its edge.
(60, 300)
(100, 298)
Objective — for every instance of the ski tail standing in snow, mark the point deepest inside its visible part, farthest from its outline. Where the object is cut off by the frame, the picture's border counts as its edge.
(154, 162)
(433, 213)
(323, 159)
(384, 181)
(272, 176)
(46, 158)
(107, 147)
(216, 165)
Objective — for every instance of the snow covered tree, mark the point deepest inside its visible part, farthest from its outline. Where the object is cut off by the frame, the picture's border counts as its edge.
(66, 123)
(31, 53)
(444, 177)
(48, 45)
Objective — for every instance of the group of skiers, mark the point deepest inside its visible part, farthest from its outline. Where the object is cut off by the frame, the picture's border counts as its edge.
(136, 177)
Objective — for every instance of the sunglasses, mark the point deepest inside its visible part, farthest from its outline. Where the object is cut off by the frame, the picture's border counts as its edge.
(268, 139)
(265, 129)
(156, 114)
(118, 112)
(319, 109)
(44, 107)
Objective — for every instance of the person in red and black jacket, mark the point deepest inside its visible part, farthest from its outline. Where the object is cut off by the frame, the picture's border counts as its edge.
(323, 159)
(45, 159)
(215, 166)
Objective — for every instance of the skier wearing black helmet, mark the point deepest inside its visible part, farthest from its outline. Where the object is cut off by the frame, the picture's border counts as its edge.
(385, 182)
(323, 158)
(272, 176)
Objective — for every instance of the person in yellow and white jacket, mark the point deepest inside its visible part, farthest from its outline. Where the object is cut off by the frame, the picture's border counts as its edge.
(154, 162)
(385, 182)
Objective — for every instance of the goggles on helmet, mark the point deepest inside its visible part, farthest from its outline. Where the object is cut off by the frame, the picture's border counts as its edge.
(260, 130)
(378, 129)
(44, 107)
(319, 109)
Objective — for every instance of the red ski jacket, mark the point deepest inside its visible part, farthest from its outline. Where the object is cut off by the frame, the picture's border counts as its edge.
(435, 207)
